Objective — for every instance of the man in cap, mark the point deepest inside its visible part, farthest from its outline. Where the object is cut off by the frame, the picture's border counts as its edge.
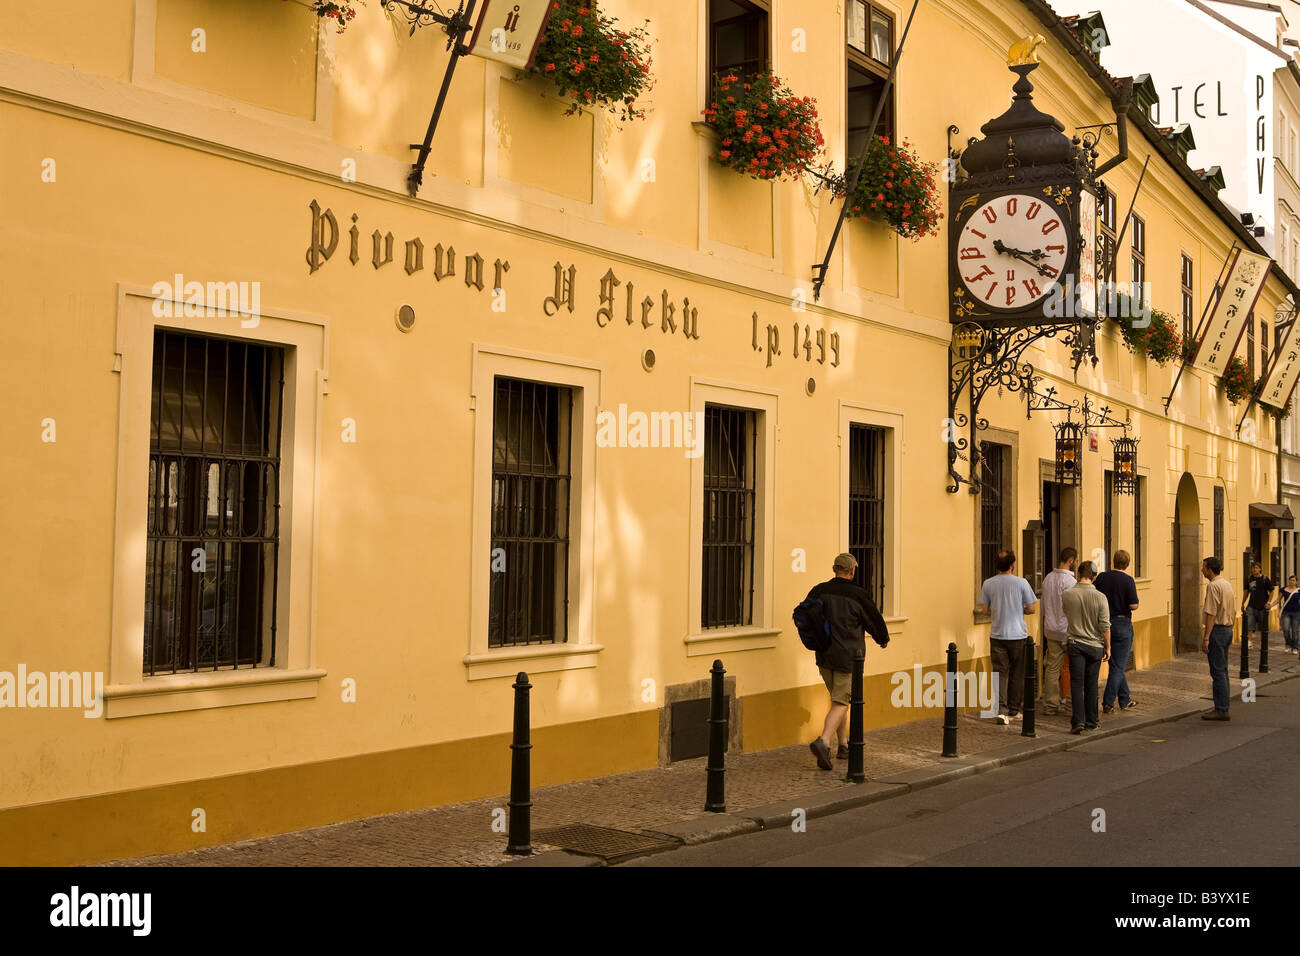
(850, 612)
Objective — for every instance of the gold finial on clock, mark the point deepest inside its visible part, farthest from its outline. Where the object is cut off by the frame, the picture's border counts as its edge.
(1023, 50)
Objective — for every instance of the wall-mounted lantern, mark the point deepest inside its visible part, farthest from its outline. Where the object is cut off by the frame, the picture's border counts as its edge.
(1069, 452)
(1124, 481)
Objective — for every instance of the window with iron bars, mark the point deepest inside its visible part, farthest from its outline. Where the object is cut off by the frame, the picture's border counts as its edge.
(727, 593)
(867, 508)
(993, 493)
(531, 440)
(1218, 522)
(213, 526)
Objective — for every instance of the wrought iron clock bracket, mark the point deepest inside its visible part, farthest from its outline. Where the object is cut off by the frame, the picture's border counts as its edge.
(996, 364)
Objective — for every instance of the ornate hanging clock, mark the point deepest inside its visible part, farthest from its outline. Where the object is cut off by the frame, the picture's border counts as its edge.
(1023, 215)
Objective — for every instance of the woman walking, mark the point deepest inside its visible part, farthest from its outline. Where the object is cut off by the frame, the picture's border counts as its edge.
(1289, 599)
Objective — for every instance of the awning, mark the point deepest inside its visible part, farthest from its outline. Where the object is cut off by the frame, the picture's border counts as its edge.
(1267, 515)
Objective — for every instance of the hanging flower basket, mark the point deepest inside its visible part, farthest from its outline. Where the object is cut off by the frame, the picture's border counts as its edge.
(897, 187)
(764, 130)
(1159, 341)
(593, 61)
(341, 11)
(1236, 381)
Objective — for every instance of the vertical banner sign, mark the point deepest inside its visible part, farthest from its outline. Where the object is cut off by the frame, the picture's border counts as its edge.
(1087, 270)
(1286, 369)
(1228, 320)
(510, 31)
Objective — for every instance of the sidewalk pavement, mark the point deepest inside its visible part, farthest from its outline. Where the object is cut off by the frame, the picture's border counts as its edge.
(662, 808)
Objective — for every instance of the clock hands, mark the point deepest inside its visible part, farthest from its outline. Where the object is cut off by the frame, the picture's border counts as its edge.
(1028, 257)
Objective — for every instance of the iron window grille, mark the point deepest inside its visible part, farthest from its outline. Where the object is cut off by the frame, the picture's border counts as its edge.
(992, 515)
(531, 443)
(213, 525)
(1188, 299)
(738, 37)
(867, 508)
(729, 503)
(1218, 522)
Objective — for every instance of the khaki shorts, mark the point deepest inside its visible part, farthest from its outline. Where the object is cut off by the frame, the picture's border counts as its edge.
(839, 683)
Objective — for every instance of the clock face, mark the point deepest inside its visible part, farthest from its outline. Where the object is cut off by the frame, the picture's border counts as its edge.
(1012, 251)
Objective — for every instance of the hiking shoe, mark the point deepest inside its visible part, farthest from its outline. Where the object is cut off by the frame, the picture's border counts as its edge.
(1076, 729)
(1049, 713)
(1016, 716)
(1002, 719)
(1215, 715)
(842, 753)
(1089, 726)
(823, 754)
(1108, 709)
(1129, 706)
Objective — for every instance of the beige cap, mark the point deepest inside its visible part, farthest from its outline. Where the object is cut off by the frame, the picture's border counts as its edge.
(846, 562)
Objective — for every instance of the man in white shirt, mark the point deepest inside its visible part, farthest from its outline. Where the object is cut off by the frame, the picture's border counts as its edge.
(1055, 627)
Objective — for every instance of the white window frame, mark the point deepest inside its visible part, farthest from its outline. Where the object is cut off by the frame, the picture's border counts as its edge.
(763, 632)
(891, 421)
(586, 382)
(305, 339)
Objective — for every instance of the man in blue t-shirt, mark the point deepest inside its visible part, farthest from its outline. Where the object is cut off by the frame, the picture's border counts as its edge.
(1008, 598)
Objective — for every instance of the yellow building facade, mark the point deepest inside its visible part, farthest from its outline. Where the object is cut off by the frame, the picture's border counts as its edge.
(184, 153)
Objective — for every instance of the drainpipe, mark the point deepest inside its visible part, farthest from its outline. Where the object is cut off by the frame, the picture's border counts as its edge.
(1122, 103)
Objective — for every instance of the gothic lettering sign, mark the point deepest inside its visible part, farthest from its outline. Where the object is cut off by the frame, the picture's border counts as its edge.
(1286, 369)
(1227, 322)
(509, 31)
(807, 345)
(617, 298)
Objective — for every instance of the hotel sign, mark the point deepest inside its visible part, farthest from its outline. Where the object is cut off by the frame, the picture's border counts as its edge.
(1227, 322)
(510, 31)
(1286, 369)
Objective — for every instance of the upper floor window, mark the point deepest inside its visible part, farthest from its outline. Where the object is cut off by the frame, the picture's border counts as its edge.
(1106, 227)
(870, 50)
(1189, 303)
(1139, 256)
(738, 37)
(1263, 347)
(1250, 345)
(213, 528)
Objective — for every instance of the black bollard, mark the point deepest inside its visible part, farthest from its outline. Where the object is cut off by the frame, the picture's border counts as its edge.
(1028, 715)
(1245, 648)
(521, 804)
(715, 799)
(857, 742)
(950, 704)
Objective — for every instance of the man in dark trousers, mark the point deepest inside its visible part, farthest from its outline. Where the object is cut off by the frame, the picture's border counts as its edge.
(1121, 593)
(1258, 590)
(849, 611)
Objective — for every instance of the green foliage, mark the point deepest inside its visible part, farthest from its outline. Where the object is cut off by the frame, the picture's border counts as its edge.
(896, 186)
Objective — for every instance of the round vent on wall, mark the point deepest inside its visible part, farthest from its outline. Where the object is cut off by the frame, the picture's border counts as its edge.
(648, 360)
(406, 318)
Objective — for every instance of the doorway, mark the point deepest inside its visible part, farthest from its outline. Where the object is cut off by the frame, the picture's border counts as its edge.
(1187, 567)
(1060, 523)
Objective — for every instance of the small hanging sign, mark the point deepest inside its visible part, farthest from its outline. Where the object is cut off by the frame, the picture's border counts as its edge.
(510, 31)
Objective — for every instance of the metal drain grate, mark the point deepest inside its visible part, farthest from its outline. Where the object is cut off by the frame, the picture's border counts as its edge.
(611, 845)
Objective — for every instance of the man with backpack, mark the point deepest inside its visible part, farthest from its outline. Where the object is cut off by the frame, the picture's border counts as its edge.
(832, 621)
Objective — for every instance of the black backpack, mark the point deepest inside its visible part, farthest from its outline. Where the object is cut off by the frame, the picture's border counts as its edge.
(810, 621)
